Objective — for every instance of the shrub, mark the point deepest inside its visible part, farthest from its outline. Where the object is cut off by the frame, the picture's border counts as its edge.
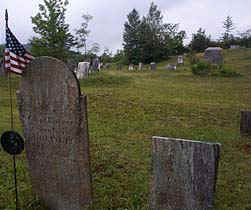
(201, 68)
(192, 58)
(204, 68)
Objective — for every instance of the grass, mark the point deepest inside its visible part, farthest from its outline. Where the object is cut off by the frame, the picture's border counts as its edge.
(126, 109)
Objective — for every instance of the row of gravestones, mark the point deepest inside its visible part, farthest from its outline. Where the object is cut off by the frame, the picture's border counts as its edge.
(53, 114)
(152, 65)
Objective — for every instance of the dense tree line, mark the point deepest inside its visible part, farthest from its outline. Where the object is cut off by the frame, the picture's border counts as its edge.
(148, 39)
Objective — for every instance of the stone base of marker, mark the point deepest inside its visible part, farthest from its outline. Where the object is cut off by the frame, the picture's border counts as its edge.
(245, 123)
(183, 174)
(53, 114)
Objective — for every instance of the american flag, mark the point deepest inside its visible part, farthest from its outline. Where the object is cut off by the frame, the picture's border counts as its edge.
(16, 57)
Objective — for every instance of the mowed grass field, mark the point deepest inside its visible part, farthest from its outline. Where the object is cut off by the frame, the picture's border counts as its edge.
(125, 109)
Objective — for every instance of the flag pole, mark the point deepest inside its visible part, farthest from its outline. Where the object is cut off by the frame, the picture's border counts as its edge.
(12, 118)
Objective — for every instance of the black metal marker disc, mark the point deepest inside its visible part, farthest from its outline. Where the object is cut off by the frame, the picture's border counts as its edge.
(12, 142)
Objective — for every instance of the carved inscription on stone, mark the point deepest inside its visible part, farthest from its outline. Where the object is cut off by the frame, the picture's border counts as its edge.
(54, 119)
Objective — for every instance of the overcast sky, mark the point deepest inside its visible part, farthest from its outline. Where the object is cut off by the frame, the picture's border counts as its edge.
(109, 17)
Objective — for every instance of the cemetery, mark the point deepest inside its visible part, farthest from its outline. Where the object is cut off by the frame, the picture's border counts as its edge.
(129, 138)
(160, 124)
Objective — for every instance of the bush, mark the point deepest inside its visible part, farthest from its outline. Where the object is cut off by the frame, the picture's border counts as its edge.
(201, 68)
(227, 71)
(192, 58)
(204, 68)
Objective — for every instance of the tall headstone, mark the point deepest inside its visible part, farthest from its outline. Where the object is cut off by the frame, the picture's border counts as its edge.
(83, 70)
(95, 64)
(2, 68)
(53, 114)
(140, 66)
(183, 174)
(214, 55)
(119, 67)
(180, 60)
(245, 123)
(152, 66)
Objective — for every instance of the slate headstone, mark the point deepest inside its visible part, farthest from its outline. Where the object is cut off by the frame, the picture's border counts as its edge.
(53, 114)
(184, 174)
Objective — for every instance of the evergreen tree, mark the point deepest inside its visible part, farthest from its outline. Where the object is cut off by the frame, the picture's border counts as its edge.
(151, 40)
(131, 37)
(54, 36)
(200, 41)
(228, 37)
(83, 32)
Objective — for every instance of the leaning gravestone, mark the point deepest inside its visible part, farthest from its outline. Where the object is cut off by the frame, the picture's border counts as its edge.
(183, 174)
(214, 55)
(54, 119)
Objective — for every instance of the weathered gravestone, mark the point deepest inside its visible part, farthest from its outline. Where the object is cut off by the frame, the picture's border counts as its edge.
(214, 55)
(2, 68)
(54, 119)
(83, 70)
(180, 60)
(140, 66)
(170, 67)
(183, 174)
(152, 66)
(95, 65)
(245, 123)
(130, 68)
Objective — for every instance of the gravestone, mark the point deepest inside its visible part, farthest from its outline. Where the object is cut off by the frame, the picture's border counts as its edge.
(83, 70)
(234, 46)
(245, 123)
(183, 174)
(140, 66)
(130, 68)
(214, 55)
(180, 60)
(170, 67)
(53, 114)
(119, 67)
(152, 66)
(95, 65)
(3, 72)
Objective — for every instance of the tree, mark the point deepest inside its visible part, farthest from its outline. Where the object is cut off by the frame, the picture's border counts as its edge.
(131, 37)
(245, 38)
(83, 32)
(200, 41)
(149, 39)
(106, 57)
(54, 36)
(228, 37)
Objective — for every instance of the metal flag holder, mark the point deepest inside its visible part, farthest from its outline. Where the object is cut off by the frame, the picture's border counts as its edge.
(11, 141)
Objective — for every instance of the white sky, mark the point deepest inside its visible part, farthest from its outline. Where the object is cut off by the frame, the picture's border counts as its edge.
(109, 17)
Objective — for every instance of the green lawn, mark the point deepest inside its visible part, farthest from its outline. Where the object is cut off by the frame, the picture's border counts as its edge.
(125, 109)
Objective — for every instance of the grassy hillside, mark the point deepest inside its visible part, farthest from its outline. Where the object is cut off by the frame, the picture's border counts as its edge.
(126, 109)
